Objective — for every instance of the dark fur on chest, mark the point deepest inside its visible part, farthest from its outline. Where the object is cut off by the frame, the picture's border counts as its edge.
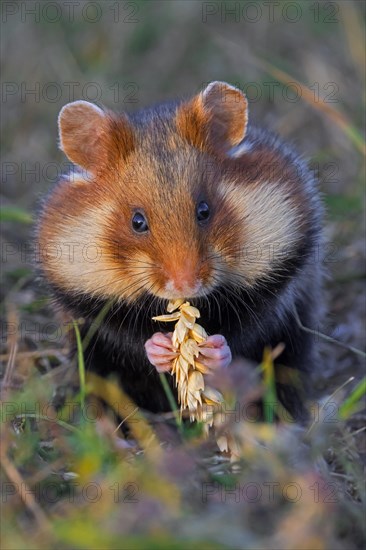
(248, 320)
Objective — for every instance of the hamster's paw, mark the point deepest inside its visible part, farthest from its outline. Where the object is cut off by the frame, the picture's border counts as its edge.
(159, 351)
(215, 352)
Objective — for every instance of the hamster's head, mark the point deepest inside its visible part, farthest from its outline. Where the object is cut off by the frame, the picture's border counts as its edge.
(153, 207)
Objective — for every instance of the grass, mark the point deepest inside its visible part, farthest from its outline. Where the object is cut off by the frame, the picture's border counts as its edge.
(15, 214)
(81, 364)
(74, 481)
(354, 401)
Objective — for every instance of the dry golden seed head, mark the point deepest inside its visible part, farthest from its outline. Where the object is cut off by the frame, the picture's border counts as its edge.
(212, 396)
(189, 350)
(195, 381)
(174, 305)
(188, 320)
(222, 443)
(198, 333)
(190, 310)
(181, 331)
(201, 367)
(169, 317)
(201, 401)
(193, 346)
(183, 365)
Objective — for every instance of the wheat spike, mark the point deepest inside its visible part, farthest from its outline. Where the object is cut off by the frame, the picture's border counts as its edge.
(188, 335)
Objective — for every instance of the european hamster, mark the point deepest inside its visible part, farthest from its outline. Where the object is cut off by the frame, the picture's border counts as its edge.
(183, 200)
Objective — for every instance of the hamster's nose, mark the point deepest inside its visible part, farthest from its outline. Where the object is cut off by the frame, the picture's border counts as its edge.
(183, 281)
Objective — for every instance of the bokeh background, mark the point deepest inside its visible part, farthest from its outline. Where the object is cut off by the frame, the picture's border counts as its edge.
(301, 65)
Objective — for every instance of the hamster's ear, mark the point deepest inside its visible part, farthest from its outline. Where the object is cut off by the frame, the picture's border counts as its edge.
(91, 137)
(216, 119)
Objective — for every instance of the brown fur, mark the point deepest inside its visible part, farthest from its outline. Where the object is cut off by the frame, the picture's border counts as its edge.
(251, 259)
(92, 138)
(164, 171)
(215, 120)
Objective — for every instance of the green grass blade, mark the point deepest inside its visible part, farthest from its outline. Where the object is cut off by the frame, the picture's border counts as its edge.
(270, 394)
(81, 365)
(172, 402)
(96, 323)
(352, 402)
(15, 214)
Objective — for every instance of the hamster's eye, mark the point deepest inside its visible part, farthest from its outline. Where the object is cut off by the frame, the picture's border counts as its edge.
(139, 223)
(203, 211)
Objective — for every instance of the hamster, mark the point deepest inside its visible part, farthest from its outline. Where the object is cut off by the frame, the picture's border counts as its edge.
(183, 200)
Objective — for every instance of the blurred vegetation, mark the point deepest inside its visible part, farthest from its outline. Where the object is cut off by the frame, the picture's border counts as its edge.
(69, 479)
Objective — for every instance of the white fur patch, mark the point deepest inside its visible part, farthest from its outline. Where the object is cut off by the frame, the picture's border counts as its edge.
(270, 226)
